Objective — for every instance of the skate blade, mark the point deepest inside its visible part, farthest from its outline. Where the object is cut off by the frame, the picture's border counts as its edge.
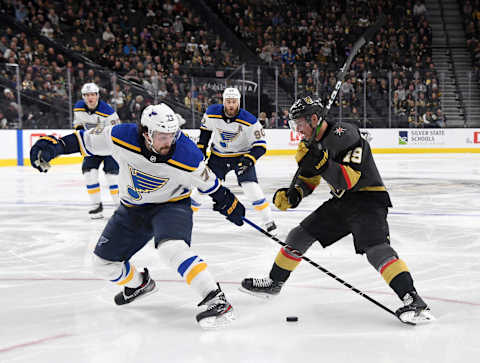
(412, 318)
(96, 216)
(215, 322)
(260, 295)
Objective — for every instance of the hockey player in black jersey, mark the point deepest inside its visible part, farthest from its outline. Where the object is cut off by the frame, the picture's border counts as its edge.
(359, 206)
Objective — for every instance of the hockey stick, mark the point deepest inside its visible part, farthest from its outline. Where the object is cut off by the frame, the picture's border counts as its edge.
(369, 33)
(324, 270)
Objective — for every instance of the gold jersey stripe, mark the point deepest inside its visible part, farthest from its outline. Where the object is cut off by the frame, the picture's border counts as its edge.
(380, 188)
(126, 144)
(181, 165)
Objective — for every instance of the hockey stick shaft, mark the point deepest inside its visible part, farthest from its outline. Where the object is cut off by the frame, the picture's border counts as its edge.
(317, 266)
(369, 33)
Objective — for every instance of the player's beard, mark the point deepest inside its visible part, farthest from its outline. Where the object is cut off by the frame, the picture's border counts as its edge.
(231, 114)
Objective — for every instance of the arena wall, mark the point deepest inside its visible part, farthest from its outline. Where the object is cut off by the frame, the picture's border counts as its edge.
(15, 144)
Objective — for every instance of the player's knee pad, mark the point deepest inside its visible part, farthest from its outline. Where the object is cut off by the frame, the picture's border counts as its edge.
(108, 270)
(379, 254)
(298, 239)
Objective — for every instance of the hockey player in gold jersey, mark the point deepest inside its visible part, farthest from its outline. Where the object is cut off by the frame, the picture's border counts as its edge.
(359, 206)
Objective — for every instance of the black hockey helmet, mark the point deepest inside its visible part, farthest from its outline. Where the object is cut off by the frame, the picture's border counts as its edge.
(305, 107)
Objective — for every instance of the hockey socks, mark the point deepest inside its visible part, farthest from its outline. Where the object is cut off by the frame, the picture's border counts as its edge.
(396, 274)
(189, 266)
(286, 261)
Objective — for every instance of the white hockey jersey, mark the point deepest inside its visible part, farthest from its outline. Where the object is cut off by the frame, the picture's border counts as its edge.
(103, 115)
(233, 138)
(143, 181)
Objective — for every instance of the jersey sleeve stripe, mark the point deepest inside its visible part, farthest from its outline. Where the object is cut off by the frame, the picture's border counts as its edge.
(78, 109)
(102, 114)
(181, 165)
(243, 122)
(211, 190)
(80, 143)
(125, 144)
(346, 177)
(251, 157)
(215, 116)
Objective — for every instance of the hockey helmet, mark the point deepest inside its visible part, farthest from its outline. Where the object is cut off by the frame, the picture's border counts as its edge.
(305, 107)
(160, 118)
(90, 88)
(231, 92)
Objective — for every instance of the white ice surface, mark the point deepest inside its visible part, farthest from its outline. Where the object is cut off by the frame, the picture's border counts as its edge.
(53, 309)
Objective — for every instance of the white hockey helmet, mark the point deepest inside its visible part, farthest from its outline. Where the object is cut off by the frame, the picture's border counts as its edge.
(160, 118)
(90, 88)
(231, 92)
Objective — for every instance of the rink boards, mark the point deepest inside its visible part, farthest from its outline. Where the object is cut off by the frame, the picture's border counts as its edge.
(15, 144)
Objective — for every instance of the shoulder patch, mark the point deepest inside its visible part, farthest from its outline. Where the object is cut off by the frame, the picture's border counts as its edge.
(246, 118)
(341, 136)
(126, 136)
(187, 155)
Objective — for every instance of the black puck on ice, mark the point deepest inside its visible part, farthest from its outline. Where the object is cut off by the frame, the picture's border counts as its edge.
(292, 318)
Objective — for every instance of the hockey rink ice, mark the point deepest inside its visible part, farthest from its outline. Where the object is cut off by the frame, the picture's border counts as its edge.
(53, 309)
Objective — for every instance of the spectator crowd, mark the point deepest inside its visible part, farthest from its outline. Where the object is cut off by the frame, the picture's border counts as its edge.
(155, 46)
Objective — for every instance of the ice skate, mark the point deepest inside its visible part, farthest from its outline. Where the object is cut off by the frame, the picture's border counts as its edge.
(415, 310)
(218, 311)
(96, 212)
(264, 288)
(131, 293)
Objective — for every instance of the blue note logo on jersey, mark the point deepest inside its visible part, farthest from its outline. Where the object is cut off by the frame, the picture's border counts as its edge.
(402, 137)
(144, 183)
(228, 136)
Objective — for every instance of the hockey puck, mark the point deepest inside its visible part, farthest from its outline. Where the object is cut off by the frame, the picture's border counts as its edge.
(292, 318)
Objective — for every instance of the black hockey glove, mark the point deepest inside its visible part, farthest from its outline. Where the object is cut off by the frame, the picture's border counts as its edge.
(315, 160)
(284, 199)
(244, 164)
(44, 150)
(227, 204)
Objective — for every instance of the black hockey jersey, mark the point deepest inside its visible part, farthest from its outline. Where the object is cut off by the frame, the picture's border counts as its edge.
(351, 167)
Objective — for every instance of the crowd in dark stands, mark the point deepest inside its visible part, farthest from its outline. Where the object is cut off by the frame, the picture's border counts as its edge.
(157, 44)
(471, 22)
(152, 44)
(309, 41)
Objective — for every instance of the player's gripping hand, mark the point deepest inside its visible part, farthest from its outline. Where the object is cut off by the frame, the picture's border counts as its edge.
(244, 164)
(227, 204)
(285, 198)
(44, 150)
(315, 160)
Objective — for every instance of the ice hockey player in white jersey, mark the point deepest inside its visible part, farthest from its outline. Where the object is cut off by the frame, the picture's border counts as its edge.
(159, 166)
(238, 141)
(92, 113)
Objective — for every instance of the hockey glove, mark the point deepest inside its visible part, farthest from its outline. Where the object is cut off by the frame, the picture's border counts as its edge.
(244, 164)
(227, 204)
(44, 150)
(315, 160)
(284, 198)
